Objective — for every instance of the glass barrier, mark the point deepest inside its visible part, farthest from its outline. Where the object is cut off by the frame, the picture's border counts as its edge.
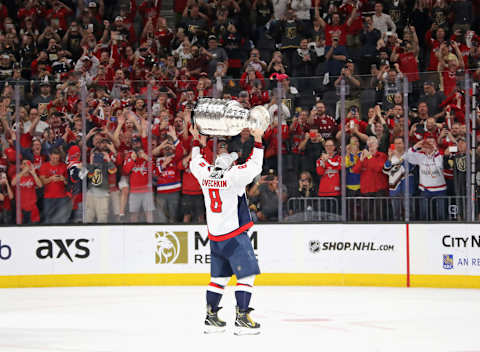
(100, 151)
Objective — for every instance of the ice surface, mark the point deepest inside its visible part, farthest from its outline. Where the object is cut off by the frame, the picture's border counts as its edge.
(101, 319)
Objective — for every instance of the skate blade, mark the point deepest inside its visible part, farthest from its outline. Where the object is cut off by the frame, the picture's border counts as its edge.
(240, 331)
(214, 329)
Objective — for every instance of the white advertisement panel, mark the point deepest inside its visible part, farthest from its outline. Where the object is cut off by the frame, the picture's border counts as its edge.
(449, 249)
(334, 248)
(62, 250)
(185, 249)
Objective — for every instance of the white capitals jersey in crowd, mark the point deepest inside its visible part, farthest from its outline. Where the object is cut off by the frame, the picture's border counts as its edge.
(224, 193)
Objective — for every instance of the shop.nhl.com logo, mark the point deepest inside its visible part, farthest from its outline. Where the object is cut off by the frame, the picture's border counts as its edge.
(171, 247)
(314, 246)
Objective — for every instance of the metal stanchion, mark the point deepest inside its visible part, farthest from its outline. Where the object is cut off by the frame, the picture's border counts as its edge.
(149, 137)
(83, 98)
(473, 193)
(343, 146)
(470, 143)
(406, 196)
(280, 95)
(18, 132)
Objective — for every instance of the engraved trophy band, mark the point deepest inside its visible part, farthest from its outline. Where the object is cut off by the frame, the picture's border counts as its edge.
(221, 117)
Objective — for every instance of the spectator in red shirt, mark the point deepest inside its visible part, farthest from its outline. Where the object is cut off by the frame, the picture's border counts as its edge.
(448, 69)
(328, 168)
(28, 181)
(149, 9)
(6, 195)
(407, 57)
(373, 182)
(434, 45)
(169, 155)
(141, 196)
(59, 13)
(56, 205)
(335, 30)
(192, 203)
(3, 12)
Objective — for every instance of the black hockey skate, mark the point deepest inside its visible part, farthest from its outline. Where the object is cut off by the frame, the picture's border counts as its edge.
(212, 323)
(244, 325)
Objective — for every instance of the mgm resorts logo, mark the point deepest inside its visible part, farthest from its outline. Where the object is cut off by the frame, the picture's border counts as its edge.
(171, 247)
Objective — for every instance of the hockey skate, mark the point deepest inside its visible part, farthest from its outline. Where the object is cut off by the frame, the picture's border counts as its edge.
(244, 325)
(212, 323)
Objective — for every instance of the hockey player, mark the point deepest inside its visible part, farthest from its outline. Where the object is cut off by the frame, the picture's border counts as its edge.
(228, 219)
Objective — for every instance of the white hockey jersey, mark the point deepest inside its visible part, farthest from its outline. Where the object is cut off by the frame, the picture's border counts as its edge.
(430, 168)
(224, 193)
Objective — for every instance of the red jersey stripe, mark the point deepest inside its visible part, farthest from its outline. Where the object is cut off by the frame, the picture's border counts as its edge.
(230, 234)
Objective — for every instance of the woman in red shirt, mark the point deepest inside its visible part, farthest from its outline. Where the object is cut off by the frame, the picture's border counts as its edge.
(28, 181)
(373, 182)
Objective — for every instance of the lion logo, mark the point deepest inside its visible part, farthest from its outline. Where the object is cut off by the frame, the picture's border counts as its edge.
(171, 247)
(167, 247)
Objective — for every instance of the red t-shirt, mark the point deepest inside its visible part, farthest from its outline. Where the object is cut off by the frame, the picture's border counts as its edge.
(61, 16)
(28, 194)
(434, 48)
(26, 140)
(54, 189)
(409, 66)
(449, 80)
(338, 31)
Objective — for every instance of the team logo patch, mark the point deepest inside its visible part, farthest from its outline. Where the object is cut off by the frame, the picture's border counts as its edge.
(448, 261)
(171, 247)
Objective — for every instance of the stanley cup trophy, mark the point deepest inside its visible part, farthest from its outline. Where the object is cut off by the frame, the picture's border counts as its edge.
(220, 117)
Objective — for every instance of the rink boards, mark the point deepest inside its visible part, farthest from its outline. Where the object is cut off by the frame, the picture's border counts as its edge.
(431, 255)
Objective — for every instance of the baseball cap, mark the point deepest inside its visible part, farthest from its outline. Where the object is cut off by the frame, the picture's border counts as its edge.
(92, 4)
(271, 172)
(278, 76)
(118, 18)
(212, 37)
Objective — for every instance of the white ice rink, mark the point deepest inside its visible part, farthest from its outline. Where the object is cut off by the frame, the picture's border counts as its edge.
(101, 319)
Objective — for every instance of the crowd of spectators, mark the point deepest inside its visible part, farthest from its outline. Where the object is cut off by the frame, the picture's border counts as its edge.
(75, 71)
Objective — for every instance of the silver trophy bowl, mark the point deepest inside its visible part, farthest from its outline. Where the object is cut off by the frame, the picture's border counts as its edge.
(221, 117)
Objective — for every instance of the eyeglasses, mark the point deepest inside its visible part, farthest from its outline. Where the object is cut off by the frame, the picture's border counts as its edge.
(305, 180)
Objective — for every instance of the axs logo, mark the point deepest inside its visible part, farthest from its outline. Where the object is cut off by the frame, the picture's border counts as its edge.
(66, 247)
